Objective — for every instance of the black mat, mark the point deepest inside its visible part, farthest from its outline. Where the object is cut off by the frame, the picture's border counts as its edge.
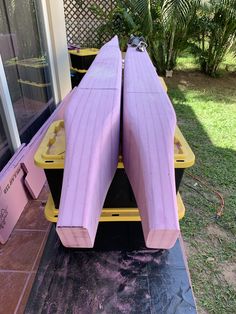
(119, 275)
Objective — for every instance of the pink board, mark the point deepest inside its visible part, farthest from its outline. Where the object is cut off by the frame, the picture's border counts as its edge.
(105, 70)
(92, 127)
(20, 174)
(35, 177)
(12, 162)
(149, 123)
(13, 195)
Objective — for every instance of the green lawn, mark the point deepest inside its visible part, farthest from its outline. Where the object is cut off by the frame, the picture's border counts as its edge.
(187, 62)
(206, 113)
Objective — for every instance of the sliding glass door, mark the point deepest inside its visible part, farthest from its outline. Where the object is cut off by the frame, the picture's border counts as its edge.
(26, 67)
(5, 149)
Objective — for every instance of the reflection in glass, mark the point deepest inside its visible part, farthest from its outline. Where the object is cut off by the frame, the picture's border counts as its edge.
(25, 65)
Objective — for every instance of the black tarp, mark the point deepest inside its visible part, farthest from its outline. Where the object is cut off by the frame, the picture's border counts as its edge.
(119, 275)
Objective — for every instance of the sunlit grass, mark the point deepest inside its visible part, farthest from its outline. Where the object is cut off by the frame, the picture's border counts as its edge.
(206, 113)
(188, 62)
(229, 63)
(216, 115)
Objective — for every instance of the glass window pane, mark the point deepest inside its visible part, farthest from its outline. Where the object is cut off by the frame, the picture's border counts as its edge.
(25, 65)
(5, 152)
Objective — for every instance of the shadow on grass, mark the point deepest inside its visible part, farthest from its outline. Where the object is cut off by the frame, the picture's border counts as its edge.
(217, 167)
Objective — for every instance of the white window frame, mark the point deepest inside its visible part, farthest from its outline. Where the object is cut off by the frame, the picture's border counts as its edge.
(8, 112)
(52, 16)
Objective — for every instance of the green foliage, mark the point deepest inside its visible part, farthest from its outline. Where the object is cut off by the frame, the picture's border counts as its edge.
(141, 12)
(164, 23)
(215, 33)
(178, 17)
(116, 22)
(208, 27)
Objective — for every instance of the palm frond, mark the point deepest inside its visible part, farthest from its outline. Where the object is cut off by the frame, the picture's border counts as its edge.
(178, 10)
(142, 11)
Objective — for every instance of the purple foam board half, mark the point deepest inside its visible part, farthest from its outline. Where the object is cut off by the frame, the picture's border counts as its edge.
(13, 161)
(13, 195)
(58, 114)
(21, 173)
(105, 69)
(34, 176)
(92, 127)
(149, 123)
(140, 73)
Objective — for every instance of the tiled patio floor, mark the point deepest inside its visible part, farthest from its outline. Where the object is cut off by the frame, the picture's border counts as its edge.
(20, 256)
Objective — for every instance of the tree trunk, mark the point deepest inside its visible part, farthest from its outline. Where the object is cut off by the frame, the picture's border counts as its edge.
(172, 39)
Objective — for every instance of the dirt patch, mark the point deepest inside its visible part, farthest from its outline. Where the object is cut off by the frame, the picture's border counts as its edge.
(229, 273)
(196, 79)
(216, 231)
(189, 249)
(201, 311)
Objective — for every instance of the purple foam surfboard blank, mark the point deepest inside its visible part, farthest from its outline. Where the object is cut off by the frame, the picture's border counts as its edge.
(34, 176)
(105, 69)
(92, 127)
(149, 123)
(19, 174)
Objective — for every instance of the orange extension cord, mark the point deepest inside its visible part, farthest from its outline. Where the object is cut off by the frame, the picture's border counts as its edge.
(220, 209)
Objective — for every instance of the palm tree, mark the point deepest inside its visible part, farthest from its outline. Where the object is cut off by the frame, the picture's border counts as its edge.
(164, 23)
(177, 16)
(216, 25)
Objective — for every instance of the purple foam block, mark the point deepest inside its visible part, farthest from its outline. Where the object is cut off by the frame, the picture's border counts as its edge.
(149, 123)
(34, 176)
(106, 68)
(92, 126)
(21, 173)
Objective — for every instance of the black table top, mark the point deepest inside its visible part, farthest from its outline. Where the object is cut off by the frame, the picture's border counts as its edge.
(119, 275)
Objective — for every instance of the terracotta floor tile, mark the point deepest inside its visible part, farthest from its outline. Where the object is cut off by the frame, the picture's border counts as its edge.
(36, 266)
(24, 300)
(20, 252)
(11, 288)
(33, 217)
